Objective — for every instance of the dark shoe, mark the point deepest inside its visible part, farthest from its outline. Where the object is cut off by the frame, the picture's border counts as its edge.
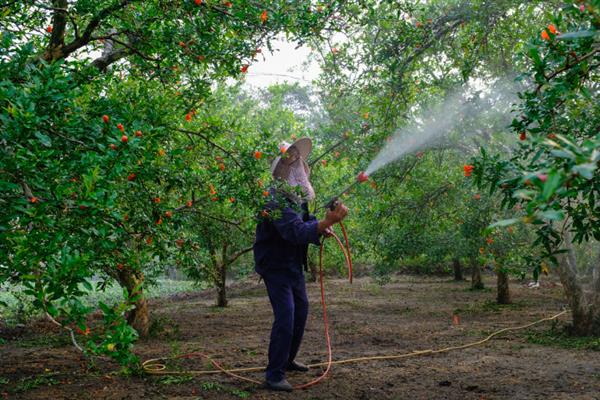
(283, 385)
(297, 366)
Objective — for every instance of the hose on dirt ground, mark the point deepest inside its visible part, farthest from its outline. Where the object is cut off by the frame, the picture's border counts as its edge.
(156, 366)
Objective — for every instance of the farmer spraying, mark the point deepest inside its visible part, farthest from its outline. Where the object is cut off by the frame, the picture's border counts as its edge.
(280, 253)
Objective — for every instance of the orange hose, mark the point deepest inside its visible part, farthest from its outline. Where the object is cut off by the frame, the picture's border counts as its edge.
(325, 322)
(349, 258)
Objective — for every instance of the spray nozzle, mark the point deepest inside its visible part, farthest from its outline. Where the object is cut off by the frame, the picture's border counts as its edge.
(362, 177)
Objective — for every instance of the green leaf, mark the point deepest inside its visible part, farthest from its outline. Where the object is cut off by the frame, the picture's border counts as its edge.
(550, 186)
(553, 215)
(52, 310)
(576, 35)
(87, 285)
(585, 170)
(563, 154)
(504, 222)
(44, 139)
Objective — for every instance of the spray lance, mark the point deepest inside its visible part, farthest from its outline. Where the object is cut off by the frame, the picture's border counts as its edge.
(360, 178)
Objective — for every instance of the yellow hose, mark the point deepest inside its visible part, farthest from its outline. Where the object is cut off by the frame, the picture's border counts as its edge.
(152, 366)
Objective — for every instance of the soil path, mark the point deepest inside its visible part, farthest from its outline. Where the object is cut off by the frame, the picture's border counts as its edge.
(409, 313)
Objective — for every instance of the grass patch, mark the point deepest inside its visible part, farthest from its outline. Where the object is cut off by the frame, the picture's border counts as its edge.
(53, 341)
(217, 387)
(19, 307)
(174, 380)
(560, 338)
(33, 382)
(163, 327)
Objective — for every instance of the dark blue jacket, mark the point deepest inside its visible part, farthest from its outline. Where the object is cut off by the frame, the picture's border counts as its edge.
(282, 239)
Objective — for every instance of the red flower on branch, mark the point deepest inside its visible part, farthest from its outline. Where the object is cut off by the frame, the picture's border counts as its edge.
(468, 169)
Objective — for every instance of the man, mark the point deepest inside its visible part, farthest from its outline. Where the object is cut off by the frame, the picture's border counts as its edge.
(280, 252)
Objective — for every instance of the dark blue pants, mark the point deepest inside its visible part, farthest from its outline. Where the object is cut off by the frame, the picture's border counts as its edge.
(287, 293)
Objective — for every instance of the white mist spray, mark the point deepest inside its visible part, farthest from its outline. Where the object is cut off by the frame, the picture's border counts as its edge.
(438, 122)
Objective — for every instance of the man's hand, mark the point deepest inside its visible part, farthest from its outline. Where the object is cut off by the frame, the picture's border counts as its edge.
(333, 217)
(337, 214)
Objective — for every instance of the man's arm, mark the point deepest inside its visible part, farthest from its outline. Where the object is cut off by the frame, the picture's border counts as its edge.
(291, 227)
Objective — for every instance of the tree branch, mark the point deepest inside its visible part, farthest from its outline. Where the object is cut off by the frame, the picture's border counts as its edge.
(329, 150)
(59, 52)
(203, 136)
(59, 23)
(237, 255)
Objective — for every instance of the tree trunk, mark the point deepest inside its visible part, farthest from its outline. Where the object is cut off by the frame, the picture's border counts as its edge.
(503, 295)
(139, 317)
(585, 307)
(458, 275)
(221, 288)
(476, 282)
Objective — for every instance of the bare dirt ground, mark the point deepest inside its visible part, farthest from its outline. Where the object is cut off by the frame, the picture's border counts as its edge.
(409, 313)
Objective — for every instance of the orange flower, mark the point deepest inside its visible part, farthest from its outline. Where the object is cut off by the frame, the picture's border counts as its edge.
(168, 214)
(481, 250)
(85, 332)
(198, 2)
(523, 136)
(324, 162)
(283, 150)
(189, 203)
(552, 29)
(257, 155)
(212, 189)
(188, 117)
(264, 16)
(468, 169)
(545, 35)
(477, 196)
(265, 193)
(161, 152)
(244, 68)
(156, 200)
(222, 167)
(149, 240)
(34, 199)
(159, 221)
(232, 199)
(49, 29)
(489, 240)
